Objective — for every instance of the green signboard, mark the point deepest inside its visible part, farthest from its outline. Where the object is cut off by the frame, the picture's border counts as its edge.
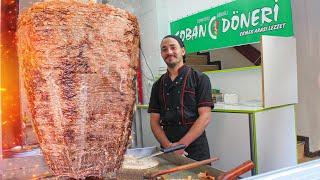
(235, 23)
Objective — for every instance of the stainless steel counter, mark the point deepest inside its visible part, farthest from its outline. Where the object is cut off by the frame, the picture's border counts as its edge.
(305, 171)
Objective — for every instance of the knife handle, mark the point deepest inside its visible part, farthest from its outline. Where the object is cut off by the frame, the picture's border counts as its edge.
(173, 148)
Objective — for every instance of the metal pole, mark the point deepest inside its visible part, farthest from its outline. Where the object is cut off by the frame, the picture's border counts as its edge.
(252, 151)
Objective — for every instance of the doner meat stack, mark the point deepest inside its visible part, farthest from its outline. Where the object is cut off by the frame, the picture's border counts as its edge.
(78, 62)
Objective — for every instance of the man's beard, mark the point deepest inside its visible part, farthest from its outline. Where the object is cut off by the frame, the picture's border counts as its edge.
(172, 64)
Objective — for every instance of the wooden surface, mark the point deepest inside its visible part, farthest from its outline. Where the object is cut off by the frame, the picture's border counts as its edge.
(177, 169)
(237, 171)
(34, 167)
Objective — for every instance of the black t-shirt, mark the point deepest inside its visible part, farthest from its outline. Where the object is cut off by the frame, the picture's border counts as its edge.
(178, 101)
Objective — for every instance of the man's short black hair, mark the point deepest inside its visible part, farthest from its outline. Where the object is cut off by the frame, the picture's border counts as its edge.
(177, 38)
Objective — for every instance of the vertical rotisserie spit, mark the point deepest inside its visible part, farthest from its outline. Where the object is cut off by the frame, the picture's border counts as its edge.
(78, 62)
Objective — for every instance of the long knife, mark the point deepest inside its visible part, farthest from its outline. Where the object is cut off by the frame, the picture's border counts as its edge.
(165, 150)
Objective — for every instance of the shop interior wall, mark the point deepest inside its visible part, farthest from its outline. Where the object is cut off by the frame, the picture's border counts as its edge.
(230, 58)
(25, 4)
(151, 30)
(178, 9)
(307, 31)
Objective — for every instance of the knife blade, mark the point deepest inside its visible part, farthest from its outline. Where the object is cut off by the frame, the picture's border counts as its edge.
(164, 150)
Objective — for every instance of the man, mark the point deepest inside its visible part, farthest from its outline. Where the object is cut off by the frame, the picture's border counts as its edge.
(180, 103)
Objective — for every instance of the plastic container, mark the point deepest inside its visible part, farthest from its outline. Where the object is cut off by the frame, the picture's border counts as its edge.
(216, 96)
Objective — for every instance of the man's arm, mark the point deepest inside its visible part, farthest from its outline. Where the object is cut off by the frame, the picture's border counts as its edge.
(158, 131)
(204, 103)
(154, 110)
(198, 127)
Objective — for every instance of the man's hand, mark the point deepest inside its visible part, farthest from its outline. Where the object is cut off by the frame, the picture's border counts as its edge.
(179, 152)
(158, 131)
(198, 127)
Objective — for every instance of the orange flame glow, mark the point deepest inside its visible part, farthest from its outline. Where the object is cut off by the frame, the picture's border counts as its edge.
(9, 90)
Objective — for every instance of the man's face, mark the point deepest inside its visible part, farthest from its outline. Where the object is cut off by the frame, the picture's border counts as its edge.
(171, 52)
